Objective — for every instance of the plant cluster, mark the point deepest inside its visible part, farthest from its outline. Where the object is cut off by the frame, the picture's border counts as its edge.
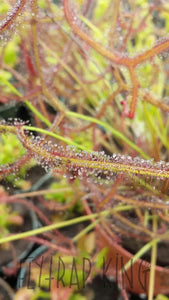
(93, 77)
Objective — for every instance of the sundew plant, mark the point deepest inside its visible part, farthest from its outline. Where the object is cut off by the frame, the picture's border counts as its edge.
(93, 76)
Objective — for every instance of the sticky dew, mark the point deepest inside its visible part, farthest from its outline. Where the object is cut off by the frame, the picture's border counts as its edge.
(96, 166)
(8, 26)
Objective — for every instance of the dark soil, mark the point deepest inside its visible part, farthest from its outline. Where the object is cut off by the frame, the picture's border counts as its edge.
(102, 288)
(134, 245)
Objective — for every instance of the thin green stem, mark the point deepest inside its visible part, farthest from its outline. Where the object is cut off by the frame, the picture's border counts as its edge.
(56, 136)
(51, 227)
(91, 226)
(44, 229)
(140, 253)
(115, 132)
(153, 262)
(38, 114)
(85, 231)
(10, 86)
(29, 105)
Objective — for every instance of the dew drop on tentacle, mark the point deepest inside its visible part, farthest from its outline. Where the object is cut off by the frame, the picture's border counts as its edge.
(97, 165)
(8, 25)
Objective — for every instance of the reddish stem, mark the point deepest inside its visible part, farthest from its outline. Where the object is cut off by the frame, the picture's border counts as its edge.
(5, 24)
